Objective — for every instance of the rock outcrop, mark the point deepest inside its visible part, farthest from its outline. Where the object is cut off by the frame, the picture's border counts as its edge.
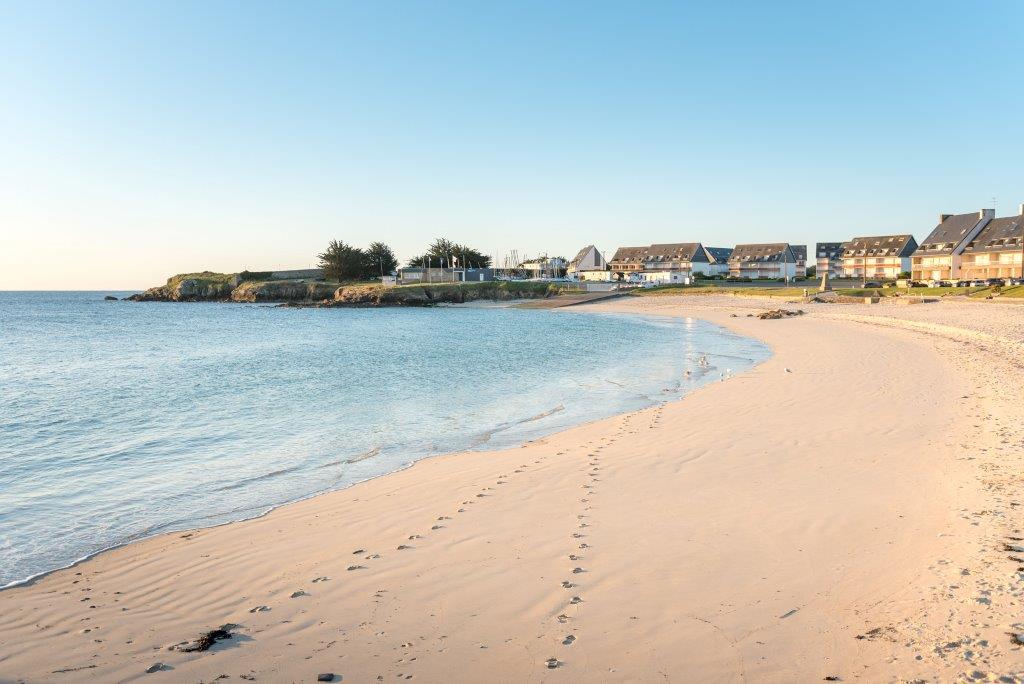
(443, 293)
(206, 286)
(283, 291)
(220, 287)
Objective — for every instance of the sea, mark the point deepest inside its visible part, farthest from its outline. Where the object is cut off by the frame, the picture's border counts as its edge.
(121, 420)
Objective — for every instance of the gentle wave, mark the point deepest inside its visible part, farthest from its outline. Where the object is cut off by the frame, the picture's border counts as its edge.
(228, 411)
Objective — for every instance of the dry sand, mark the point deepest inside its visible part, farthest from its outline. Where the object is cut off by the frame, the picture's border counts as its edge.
(839, 511)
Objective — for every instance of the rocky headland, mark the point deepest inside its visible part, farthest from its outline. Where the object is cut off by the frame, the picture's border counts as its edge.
(223, 287)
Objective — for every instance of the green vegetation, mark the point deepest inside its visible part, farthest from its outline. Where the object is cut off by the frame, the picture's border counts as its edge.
(725, 289)
(444, 253)
(203, 278)
(429, 294)
(790, 292)
(495, 289)
(247, 276)
(1012, 292)
(378, 260)
(342, 261)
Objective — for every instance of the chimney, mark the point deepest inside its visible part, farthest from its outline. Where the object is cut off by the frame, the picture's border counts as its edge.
(943, 217)
(986, 214)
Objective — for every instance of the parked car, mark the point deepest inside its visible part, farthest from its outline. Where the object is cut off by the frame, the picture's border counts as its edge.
(998, 282)
(917, 283)
(872, 283)
(977, 283)
(962, 283)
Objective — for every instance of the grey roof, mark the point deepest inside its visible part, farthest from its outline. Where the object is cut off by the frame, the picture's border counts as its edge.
(774, 251)
(652, 254)
(799, 252)
(880, 245)
(830, 250)
(718, 255)
(949, 233)
(579, 255)
(999, 235)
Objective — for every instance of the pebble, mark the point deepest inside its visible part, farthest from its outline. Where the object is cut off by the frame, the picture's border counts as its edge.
(155, 667)
(325, 677)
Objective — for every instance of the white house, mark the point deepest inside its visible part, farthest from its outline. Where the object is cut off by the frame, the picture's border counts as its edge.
(588, 264)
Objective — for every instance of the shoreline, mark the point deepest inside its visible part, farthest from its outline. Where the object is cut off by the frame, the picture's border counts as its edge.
(501, 567)
(478, 446)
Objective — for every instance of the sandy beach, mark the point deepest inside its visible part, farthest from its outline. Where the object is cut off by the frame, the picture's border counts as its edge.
(847, 509)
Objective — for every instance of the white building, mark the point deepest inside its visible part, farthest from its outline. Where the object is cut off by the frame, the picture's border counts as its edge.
(684, 258)
(718, 260)
(829, 259)
(878, 257)
(588, 264)
(766, 260)
(544, 267)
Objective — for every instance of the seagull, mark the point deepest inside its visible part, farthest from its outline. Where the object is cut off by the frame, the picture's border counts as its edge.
(788, 371)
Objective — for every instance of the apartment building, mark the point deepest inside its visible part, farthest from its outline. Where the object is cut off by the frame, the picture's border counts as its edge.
(800, 254)
(682, 258)
(878, 257)
(718, 258)
(763, 260)
(996, 251)
(940, 255)
(829, 259)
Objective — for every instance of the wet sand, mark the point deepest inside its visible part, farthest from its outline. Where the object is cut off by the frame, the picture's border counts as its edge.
(846, 509)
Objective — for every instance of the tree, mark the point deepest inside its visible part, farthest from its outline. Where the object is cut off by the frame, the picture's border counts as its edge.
(445, 253)
(342, 261)
(378, 260)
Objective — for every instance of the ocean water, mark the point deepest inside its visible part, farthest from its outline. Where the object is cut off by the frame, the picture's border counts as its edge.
(120, 420)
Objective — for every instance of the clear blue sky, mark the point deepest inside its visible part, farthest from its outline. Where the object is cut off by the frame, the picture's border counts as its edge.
(143, 139)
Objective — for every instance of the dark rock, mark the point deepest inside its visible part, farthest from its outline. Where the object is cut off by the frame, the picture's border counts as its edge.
(776, 314)
(205, 640)
(110, 298)
(155, 667)
(325, 677)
